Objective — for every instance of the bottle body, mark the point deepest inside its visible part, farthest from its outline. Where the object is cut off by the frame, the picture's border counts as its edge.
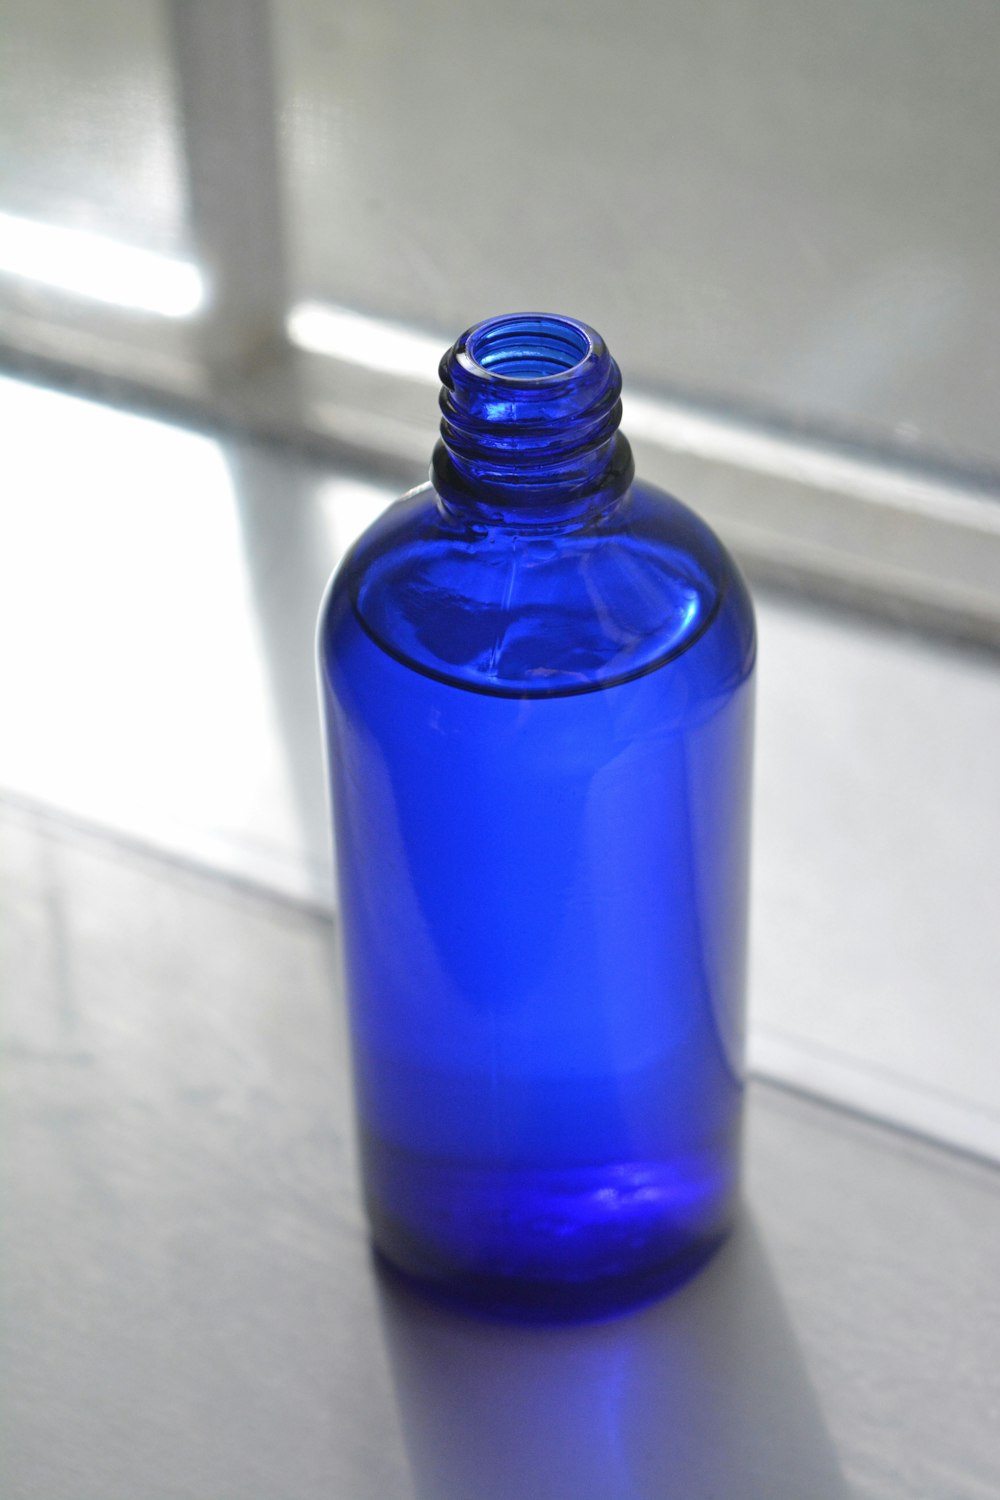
(540, 785)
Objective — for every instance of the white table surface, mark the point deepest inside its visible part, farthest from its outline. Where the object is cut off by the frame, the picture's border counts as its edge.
(189, 1308)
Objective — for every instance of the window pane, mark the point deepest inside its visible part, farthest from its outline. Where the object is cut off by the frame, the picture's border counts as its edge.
(788, 206)
(86, 116)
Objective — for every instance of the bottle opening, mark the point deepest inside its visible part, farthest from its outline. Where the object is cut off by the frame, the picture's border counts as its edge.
(529, 347)
(529, 422)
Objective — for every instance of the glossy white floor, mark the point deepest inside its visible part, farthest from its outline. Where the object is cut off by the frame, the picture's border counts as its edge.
(158, 589)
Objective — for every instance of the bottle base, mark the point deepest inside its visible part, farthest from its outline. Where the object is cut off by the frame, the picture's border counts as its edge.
(550, 1244)
(504, 1299)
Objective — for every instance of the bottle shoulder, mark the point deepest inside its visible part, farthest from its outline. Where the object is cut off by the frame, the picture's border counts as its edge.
(542, 612)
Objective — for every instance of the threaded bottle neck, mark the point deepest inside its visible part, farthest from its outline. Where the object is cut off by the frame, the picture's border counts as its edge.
(529, 430)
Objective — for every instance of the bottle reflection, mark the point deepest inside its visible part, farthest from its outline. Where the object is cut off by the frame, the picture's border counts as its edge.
(702, 1395)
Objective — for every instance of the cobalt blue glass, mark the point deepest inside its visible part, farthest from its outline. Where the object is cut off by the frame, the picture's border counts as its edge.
(537, 689)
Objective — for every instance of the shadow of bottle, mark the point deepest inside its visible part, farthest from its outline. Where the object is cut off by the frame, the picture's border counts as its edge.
(704, 1394)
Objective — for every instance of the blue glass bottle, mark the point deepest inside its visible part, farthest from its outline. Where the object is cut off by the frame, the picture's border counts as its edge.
(537, 692)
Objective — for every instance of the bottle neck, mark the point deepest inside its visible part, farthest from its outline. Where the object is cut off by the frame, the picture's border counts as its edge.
(529, 429)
